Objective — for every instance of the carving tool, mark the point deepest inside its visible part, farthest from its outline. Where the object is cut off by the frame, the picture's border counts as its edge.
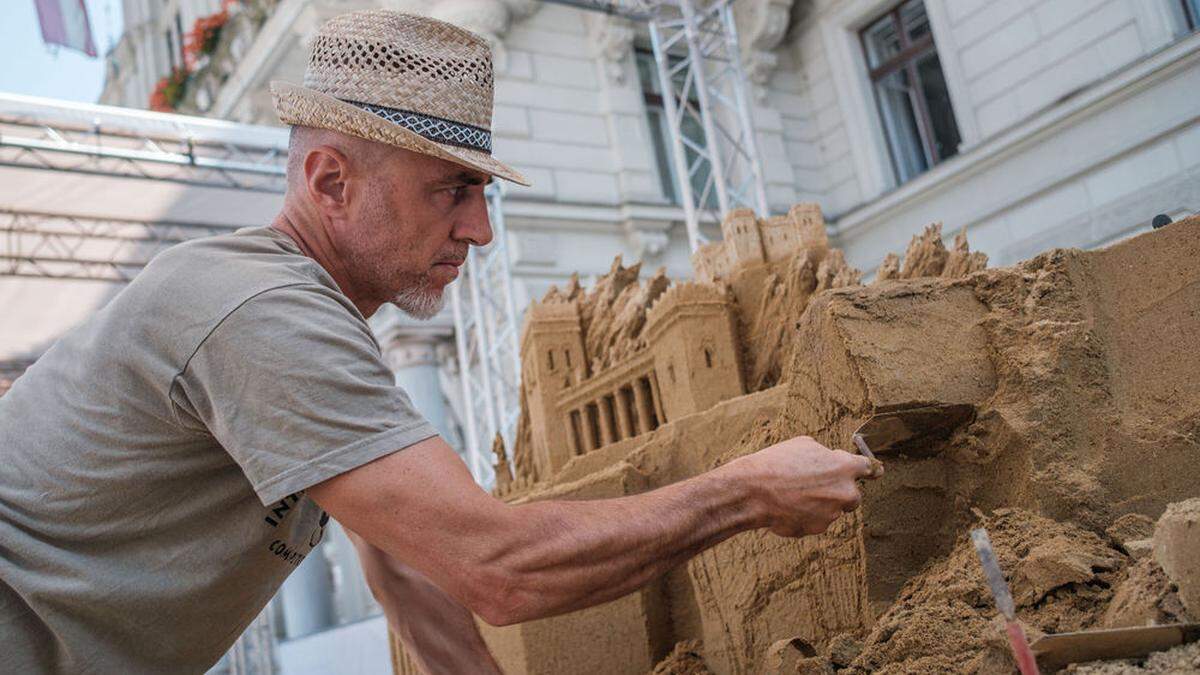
(1026, 663)
(911, 429)
(1060, 650)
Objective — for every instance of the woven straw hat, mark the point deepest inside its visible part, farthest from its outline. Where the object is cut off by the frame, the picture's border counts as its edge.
(399, 79)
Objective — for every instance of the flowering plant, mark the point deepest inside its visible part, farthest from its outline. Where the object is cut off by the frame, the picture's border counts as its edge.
(169, 91)
(202, 39)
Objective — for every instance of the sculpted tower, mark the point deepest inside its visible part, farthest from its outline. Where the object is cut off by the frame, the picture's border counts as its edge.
(552, 360)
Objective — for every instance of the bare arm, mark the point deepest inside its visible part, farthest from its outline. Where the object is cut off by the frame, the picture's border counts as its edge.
(438, 631)
(515, 563)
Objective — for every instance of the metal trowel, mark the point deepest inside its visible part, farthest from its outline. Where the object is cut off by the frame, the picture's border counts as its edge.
(911, 429)
(1058, 651)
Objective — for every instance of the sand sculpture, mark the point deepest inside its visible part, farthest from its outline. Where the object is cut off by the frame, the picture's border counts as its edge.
(1086, 426)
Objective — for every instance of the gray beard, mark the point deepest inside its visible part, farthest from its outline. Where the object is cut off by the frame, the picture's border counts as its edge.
(419, 303)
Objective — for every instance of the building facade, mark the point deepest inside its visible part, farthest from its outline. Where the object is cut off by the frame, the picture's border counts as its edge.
(1030, 123)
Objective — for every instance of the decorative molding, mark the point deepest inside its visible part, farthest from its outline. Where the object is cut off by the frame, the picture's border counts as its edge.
(408, 352)
(761, 25)
(611, 42)
(489, 18)
(648, 239)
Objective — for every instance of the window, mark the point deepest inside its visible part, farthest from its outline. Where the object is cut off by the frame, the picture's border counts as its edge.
(910, 90)
(660, 132)
(179, 40)
(171, 48)
(1191, 14)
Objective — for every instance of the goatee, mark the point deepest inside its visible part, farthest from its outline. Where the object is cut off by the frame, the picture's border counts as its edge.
(419, 302)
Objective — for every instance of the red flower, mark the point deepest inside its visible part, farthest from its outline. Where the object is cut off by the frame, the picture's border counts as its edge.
(169, 91)
(202, 39)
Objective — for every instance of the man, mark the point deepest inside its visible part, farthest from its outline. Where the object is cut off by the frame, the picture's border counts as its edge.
(168, 463)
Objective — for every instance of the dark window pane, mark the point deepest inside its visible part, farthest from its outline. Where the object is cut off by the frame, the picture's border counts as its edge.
(694, 133)
(660, 134)
(937, 101)
(1193, 12)
(900, 124)
(662, 154)
(916, 21)
(882, 41)
(647, 72)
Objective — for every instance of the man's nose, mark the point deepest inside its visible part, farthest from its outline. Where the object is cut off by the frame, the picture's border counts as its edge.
(474, 224)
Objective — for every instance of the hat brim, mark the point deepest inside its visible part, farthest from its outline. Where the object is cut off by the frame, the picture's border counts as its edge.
(301, 106)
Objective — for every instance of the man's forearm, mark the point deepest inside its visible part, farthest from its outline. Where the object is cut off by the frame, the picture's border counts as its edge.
(514, 563)
(565, 555)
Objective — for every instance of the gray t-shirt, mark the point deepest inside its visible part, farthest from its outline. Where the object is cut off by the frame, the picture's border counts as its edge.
(153, 462)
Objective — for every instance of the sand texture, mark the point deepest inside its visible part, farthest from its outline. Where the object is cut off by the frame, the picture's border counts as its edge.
(1077, 369)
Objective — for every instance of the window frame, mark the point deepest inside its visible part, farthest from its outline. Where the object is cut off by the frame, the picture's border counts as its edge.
(654, 99)
(906, 59)
(1191, 16)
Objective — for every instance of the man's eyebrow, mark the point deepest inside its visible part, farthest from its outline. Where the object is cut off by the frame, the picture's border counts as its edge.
(465, 178)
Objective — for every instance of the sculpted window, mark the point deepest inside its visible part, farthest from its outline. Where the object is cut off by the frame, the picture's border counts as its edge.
(910, 90)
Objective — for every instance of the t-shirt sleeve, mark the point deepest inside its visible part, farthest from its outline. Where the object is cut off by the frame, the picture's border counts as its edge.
(292, 384)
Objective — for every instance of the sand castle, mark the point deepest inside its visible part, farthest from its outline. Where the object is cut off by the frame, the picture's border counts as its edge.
(1078, 367)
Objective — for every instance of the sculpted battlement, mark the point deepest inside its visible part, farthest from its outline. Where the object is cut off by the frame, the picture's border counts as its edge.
(695, 297)
(749, 241)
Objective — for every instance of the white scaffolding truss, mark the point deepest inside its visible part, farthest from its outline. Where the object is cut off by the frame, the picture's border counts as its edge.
(713, 147)
(46, 137)
(61, 246)
(486, 327)
(84, 138)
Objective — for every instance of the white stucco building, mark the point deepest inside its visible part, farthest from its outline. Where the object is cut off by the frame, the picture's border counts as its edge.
(1032, 123)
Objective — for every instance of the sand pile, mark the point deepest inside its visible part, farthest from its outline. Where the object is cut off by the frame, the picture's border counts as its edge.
(684, 659)
(944, 620)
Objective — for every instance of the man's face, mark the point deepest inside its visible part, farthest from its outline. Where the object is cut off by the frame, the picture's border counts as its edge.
(411, 226)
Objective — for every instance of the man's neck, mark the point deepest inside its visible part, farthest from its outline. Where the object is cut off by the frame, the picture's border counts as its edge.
(315, 244)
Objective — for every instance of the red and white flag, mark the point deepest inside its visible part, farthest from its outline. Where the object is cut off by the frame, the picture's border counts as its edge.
(65, 22)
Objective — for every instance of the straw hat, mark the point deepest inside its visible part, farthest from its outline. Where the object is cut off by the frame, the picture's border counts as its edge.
(399, 79)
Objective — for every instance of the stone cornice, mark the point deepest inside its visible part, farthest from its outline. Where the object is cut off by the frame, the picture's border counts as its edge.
(762, 25)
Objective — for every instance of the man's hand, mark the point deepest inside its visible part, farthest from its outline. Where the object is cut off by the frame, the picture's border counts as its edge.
(802, 485)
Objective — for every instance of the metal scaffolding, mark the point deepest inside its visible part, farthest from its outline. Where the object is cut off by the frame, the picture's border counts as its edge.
(73, 138)
(486, 327)
(713, 147)
(60, 246)
(82, 138)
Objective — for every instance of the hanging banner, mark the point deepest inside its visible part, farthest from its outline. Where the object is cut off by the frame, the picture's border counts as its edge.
(65, 23)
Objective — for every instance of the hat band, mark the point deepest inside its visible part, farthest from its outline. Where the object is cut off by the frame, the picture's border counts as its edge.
(433, 128)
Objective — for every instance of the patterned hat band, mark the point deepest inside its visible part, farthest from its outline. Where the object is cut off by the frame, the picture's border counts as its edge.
(433, 128)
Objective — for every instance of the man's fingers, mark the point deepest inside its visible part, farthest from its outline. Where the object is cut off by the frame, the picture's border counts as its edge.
(866, 467)
(853, 501)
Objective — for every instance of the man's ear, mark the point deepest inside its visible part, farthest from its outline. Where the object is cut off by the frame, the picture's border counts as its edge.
(326, 170)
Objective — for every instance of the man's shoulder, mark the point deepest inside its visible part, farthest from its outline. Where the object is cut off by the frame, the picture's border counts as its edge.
(185, 292)
(248, 257)
(212, 276)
